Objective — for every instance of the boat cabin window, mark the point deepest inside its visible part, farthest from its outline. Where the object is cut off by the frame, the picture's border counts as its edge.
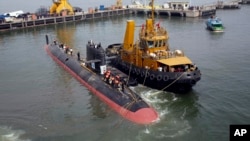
(217, 25)
(156, 43)
(160, 43)
(150, 44)
(164, 43)
(163, 67)
(174, 6)
(182, 68)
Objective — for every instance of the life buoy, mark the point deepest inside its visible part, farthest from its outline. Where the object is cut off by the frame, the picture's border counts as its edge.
(165, 77)
(159, 77)
(152, 77)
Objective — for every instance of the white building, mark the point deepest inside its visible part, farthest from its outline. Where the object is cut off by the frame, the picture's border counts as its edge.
(178, 5)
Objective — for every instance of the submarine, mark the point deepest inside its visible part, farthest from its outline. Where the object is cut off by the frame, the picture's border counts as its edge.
(92, 72)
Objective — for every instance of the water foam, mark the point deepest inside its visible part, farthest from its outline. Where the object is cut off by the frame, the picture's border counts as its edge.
(163, 102)
(8, 134)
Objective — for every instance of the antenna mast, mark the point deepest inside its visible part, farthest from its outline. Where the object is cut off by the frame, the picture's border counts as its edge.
(152, 12)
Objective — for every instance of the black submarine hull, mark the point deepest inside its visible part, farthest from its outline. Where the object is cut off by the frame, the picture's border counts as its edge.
(128, 105)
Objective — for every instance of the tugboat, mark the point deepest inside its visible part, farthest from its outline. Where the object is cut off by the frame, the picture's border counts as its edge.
(151, 61)
(215, 24)
(108, 83)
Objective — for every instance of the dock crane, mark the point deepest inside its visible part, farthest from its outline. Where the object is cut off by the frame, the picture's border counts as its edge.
(118, 4)
(61, 5)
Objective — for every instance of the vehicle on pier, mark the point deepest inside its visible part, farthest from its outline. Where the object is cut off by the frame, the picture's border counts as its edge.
(10, 16)
(108, 83)
(151, 61)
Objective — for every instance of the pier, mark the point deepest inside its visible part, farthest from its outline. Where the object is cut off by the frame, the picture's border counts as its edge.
(235, 4)
(192, 12)
(22, 23)
(175, 8)
(182, 9)
(244, 1)
(33, 22)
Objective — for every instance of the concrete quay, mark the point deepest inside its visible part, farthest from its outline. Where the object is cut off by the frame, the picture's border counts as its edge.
(244, 1)
(192, 12)
(183, 11)
(28, 23)
(228, 4)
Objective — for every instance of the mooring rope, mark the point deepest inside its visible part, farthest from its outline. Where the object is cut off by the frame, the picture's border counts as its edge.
(129, 73)
(172, 82)
(145, 77)
(131, 93)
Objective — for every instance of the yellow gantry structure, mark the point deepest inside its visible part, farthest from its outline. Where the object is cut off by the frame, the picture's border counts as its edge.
(60, 6)
(118, 3)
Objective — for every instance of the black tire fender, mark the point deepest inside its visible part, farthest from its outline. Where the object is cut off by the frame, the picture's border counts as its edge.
(159, 77)
(165, 77)
(152, 77)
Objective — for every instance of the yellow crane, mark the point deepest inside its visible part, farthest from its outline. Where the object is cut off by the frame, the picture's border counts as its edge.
(61, 5)
(118, 4)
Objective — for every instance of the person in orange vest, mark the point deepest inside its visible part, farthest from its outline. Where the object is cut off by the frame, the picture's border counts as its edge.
(112, 80)
(106, 76)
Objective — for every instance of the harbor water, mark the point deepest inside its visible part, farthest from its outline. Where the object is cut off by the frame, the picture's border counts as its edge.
(31, 6)
(40, 101)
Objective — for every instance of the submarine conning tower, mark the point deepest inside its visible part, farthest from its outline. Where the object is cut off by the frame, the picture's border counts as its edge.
(95, 56)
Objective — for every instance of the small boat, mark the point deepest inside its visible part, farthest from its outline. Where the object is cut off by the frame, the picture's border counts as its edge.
(106, 82)
(214, 24)
(150, 60)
